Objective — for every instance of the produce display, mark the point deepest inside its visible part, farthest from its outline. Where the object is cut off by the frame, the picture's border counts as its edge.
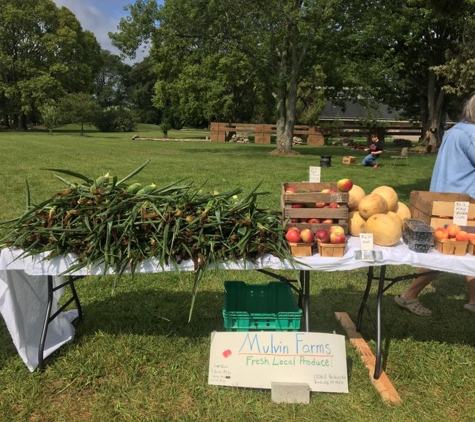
(111, 222)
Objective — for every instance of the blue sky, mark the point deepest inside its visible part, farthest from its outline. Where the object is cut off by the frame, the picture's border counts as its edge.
(99, 17)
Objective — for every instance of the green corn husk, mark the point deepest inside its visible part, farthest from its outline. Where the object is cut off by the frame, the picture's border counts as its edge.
(108, 222)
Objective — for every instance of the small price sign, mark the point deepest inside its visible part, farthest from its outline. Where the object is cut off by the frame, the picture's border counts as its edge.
(461, 213)
(314, 174)
(367, 247)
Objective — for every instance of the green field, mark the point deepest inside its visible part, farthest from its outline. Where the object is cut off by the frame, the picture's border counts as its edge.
(136, 358)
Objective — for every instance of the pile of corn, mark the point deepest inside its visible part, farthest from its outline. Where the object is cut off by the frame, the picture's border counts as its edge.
(117, 224)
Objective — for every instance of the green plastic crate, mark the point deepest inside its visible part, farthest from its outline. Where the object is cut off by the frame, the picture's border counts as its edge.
(260, 307)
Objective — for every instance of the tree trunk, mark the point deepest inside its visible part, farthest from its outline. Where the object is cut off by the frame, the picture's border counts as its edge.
(22, 122)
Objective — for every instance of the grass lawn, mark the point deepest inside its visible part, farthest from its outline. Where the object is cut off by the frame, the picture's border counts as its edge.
(135, 357)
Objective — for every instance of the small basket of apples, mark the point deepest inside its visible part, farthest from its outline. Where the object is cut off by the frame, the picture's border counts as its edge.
(301, 242)
(451, 240)
(331, 242)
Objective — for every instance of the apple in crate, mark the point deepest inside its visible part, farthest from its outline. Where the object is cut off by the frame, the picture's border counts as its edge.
(322, 236)
(320, 204)
(337, 238)
(336, 229)
(293, 235)
(344, 185)
(297, 205)
(314, 221)
(290, 190)
(307, 236)
(333, 205)
(328, 221)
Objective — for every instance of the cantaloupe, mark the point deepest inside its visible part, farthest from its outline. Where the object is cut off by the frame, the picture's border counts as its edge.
(356, 223)
(396, 216)
(372, 204)
(389, 194)
(355, 195)
(403, 211)
(386, 230)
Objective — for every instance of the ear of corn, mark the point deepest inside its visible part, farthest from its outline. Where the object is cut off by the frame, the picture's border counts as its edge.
(118, 225)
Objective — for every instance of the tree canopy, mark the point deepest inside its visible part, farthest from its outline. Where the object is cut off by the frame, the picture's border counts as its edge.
(44, 53)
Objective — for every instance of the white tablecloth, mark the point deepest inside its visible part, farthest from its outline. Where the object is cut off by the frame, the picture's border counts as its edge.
(23, 286)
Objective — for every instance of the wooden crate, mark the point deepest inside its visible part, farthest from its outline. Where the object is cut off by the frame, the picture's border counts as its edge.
(331, 250)
(348, 159)
(437, 209)
(301, 249)
(451, 247)
(308, 194)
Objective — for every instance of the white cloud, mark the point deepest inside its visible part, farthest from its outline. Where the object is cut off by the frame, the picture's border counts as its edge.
(99, 17)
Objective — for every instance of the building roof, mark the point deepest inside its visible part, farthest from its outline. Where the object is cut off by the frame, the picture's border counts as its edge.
(352, 110)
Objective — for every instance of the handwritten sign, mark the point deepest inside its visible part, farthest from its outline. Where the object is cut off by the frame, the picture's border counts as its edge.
(367, 247)
(314, 174)
(366, 241)
(256, 359)
(461, 213)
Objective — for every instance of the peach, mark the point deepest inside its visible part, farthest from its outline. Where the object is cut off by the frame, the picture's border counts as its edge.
(461, 236)
(441, 233)
(471, 238)
(453, 229)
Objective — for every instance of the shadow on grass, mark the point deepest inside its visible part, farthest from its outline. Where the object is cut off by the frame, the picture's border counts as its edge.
(162, 312)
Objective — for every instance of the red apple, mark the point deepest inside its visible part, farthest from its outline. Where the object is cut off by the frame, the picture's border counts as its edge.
(328, 221)
(344, 185)
(322, 236)
(461, 236)
(320, 204)
(314, 221)
(441, 233)
(333, 205)
(290, 190)
(294, 220)
(336, 229)
(307, 236)
(292, 236)
(337, 238)
(294, 228)
(297, 205)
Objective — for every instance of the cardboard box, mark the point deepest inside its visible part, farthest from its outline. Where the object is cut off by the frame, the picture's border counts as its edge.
(301, 249)
(348, 159)
(308, 194)
(471, 249)
(450, 247)
(437, 209)
(331, 250)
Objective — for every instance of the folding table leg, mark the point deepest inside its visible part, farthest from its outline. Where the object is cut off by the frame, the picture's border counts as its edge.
(49, 306)
(305, 289)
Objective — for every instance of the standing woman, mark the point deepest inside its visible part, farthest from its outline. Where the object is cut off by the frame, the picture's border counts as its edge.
(454, 172)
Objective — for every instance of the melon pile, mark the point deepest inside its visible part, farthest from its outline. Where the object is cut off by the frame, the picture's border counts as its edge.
(378, 212)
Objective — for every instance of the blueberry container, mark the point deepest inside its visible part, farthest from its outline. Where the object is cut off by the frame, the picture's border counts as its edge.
(417, 232)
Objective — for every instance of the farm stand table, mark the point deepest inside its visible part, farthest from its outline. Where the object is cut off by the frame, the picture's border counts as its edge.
(30, 288)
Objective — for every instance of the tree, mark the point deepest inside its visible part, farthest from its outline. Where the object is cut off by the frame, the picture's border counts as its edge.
(80, 108)
(44, 53)
(110, 81)
(406, 45)
(278, 39)
(51, 116)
